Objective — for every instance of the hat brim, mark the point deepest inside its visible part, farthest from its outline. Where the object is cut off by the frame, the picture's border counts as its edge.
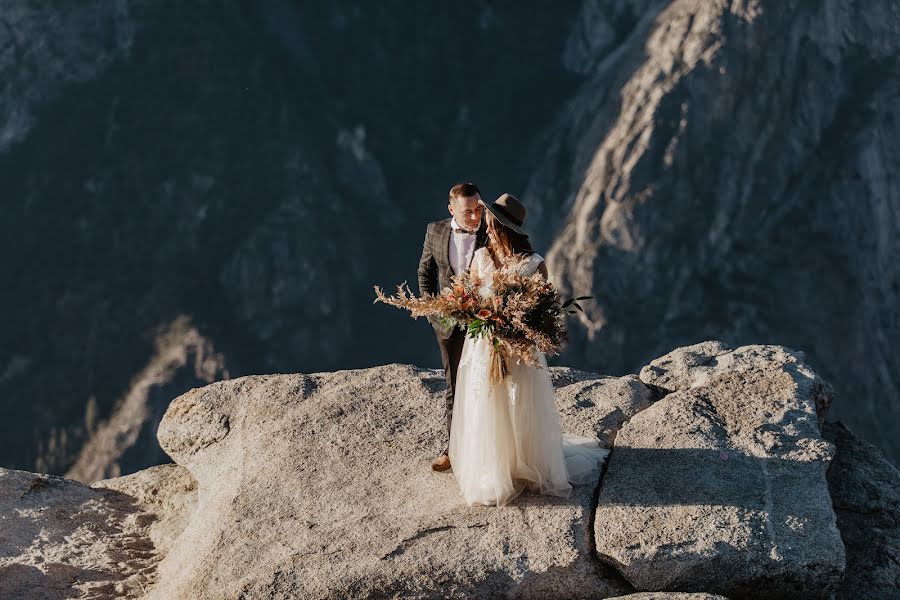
(502, 218)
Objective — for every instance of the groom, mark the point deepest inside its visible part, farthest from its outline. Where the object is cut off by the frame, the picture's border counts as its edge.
(448, 250)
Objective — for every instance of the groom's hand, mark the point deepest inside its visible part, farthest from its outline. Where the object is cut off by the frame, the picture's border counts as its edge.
(443, 330)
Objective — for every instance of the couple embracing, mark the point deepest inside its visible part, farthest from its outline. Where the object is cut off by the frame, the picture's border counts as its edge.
(501, 437)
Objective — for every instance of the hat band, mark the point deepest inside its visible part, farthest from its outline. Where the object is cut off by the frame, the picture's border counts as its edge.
(500, 209)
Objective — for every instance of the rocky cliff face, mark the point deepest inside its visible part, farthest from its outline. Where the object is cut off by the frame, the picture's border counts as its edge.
(319, 486)
(250, 168)
(725, 171)
(706, 169)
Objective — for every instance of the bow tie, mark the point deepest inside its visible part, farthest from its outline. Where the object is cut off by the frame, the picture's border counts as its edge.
(465, 231)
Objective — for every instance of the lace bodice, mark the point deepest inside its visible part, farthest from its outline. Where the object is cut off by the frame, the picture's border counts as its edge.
(483, 265)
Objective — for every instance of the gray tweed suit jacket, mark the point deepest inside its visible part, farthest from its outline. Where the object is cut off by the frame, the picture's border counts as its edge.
(434, 266)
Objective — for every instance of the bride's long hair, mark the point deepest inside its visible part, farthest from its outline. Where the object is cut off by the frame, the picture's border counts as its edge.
(504, 243)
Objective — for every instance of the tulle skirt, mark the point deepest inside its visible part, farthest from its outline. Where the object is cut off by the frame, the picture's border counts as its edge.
(506, 437)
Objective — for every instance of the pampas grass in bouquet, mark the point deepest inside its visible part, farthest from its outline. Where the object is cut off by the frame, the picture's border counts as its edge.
(520, 314)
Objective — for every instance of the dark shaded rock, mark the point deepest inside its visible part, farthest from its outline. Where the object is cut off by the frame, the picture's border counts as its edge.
(865, 491)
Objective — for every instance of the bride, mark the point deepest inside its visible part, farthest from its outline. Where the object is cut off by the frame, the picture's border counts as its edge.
(506, 437)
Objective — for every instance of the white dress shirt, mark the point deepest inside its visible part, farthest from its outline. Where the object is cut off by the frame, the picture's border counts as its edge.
(462, 247)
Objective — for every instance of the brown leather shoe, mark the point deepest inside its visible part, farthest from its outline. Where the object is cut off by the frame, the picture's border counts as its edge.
(441, 463)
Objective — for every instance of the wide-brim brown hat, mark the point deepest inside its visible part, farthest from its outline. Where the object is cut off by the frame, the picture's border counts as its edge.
(509, 211)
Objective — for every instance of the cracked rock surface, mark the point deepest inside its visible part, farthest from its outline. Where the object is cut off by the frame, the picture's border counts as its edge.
(62, 539)
(720, 485)
(320, 486)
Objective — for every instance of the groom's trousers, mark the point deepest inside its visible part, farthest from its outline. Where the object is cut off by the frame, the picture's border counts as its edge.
(451, 350)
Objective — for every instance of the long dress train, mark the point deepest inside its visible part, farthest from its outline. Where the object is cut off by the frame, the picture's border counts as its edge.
(506, 437)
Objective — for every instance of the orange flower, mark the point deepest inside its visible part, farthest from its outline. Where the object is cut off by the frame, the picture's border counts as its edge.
(483, 314)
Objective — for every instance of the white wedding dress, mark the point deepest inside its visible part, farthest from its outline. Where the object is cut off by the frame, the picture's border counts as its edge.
(506, 437)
